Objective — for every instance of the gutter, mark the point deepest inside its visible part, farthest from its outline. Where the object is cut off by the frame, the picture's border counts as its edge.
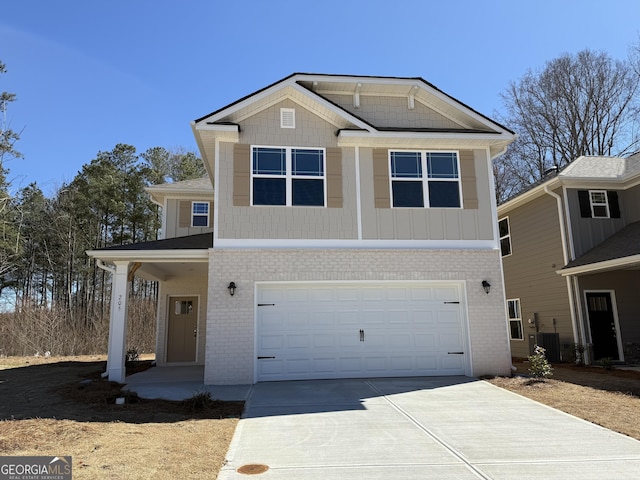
(565, 255)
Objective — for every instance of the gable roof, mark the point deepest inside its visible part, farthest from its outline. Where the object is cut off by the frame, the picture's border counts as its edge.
(584, 172)
(198, 187)
(318, 93)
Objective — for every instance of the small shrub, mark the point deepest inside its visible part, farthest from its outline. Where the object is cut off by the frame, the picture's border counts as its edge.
(199, 401)
(132, 355)
(606, 362)
(579, 349)
(539, 366)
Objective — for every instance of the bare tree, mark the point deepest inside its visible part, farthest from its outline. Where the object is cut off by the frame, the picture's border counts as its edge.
(581, 104)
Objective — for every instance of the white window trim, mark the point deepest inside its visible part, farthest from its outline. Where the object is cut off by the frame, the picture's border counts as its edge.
(287, 118)
(508, 235)
(592, 204)
(515, 319)
(425, 176)
(193, 215)
(289, 177)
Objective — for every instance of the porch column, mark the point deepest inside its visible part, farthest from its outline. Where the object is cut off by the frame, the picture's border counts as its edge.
(118, 322)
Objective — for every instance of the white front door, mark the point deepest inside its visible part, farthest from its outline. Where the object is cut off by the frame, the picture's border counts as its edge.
(347, 330)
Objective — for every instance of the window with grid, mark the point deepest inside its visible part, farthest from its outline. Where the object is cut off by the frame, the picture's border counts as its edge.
(288, 176)
(425, 179)
(515, 319)
(599, 203)
(199, 214)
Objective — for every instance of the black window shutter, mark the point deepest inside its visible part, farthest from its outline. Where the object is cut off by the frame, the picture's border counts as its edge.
(614, 207)
(585, 205)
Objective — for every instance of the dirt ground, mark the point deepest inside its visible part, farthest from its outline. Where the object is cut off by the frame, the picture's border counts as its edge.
(46, 410)
(610, 398)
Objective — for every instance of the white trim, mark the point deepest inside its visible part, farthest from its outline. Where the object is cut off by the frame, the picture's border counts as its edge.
(193, 214)
(358, 193)
(568, 225)
(616, 321)
(289, 176)
(605, 204)
(614, 264)
(216, 190)
(424, 178)
(354, 243)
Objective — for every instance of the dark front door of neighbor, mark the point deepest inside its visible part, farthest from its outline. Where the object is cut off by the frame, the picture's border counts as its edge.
(603, 327)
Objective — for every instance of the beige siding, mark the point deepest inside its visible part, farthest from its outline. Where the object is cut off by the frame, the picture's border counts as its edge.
(630, 204)
(530, 272)
(264, 222)
(393, 112)
(178, 218)
(379, 221)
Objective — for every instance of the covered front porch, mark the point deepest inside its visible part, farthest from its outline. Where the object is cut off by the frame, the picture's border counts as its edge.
(605, 281)
(180, 265)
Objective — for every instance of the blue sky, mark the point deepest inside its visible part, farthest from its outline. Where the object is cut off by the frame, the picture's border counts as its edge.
(90, 74)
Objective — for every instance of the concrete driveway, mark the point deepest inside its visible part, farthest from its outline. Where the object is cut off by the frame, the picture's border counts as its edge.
(418, 428)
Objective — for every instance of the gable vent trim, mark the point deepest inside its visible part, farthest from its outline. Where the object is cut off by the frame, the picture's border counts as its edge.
(287, 118)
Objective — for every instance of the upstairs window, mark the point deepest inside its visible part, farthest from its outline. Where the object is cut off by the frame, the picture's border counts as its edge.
(199, 214)
(288, 176)
(598, 204)
(515, 319)
(425, 179)
(505, 237)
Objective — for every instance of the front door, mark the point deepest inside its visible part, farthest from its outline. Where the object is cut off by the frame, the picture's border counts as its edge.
(604, 335)
(183, 329)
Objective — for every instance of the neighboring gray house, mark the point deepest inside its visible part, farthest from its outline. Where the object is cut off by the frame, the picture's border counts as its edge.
(571, 258)
(347, 228)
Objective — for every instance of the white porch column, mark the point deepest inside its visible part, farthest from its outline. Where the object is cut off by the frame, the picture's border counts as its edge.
(118, 322)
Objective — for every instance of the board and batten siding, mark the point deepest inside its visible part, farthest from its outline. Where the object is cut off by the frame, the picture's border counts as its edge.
(381, 222)
(178, 218)
(530, 271)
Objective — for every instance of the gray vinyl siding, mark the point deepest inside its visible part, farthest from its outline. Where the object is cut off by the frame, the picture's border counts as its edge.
(589, 232)
(173, 215)
(530, 271)
(630, 204)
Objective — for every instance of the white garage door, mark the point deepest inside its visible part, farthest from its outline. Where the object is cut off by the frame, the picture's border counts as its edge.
(347, 330)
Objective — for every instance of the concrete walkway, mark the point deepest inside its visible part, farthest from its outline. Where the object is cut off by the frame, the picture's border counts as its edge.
(418, 428)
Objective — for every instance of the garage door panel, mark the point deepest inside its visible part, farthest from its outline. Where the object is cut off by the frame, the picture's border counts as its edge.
(313, 330)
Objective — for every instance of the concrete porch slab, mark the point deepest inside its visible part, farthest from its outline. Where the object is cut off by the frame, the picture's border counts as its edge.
(180, 383)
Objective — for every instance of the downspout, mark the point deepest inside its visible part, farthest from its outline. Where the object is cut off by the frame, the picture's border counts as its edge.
(565, 256)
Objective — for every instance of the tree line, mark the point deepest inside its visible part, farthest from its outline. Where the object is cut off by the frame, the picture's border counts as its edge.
(577, 104)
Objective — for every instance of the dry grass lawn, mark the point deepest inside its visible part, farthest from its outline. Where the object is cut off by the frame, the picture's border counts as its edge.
(608, 398)
(46, 411)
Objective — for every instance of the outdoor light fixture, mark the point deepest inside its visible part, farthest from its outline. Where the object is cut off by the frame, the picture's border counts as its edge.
(232, 288)
(486, 285)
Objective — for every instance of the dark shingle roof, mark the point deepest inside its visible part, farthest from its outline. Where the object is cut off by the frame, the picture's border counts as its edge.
(201, 241)
(625, 243)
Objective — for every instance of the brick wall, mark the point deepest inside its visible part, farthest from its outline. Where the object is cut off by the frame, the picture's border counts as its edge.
(231, 328)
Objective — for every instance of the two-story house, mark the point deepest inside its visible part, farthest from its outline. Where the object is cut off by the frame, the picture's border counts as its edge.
(571, 257)
(348, 229)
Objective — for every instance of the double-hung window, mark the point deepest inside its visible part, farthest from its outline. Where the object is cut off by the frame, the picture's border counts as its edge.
(505, 236)
(288, 176)
(199, 214)
(425, 179)
(515, 319)
(599, 204)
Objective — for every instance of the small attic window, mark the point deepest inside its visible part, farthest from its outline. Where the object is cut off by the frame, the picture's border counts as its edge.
(287, 118)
